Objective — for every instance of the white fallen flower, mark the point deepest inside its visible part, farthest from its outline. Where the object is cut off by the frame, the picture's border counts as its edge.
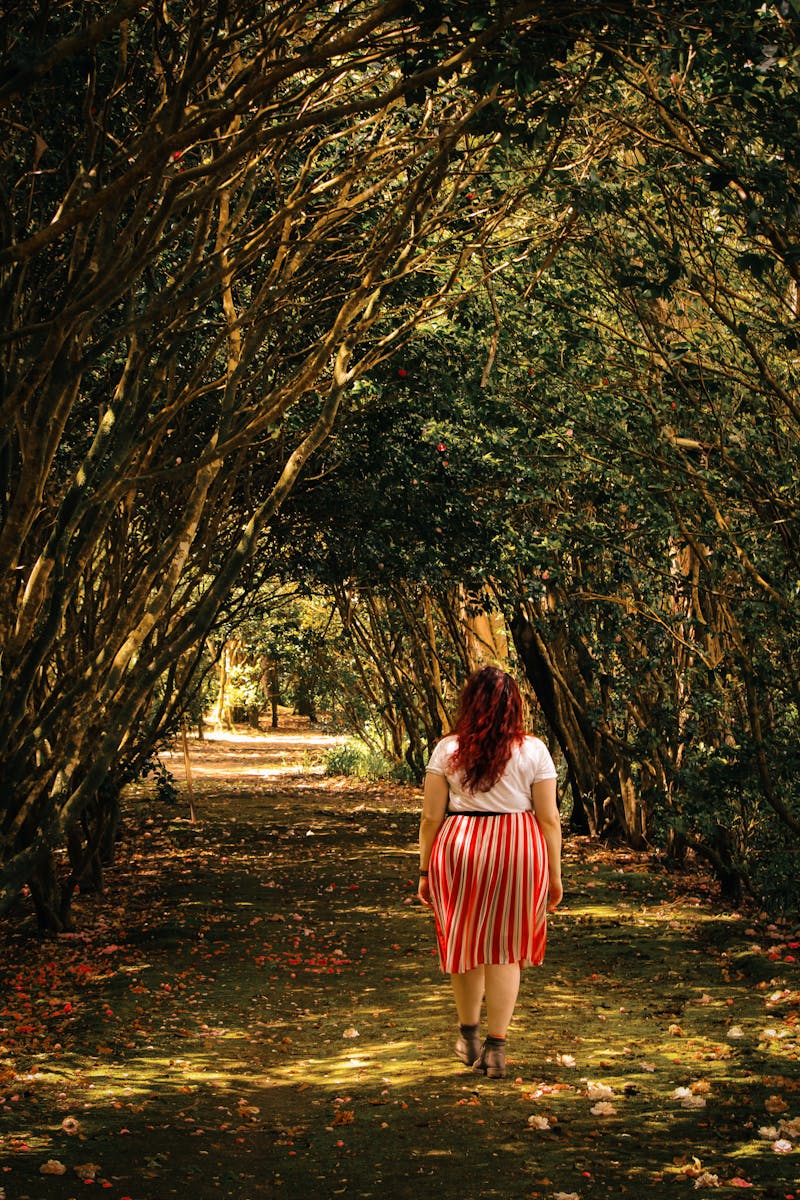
(782, 1146)
(351, 1033)
(707, 1179)
(566, 1196)
(693, 1101)
(598, 1091)
(565, 1060)
(52, 1167)
(768, 1132)
(247, 1110)
(790, 1128)
(537, 1122)
(88, 1170)
(680, 1093)
(71, 1125)
(603, 1109)
(735, 1031)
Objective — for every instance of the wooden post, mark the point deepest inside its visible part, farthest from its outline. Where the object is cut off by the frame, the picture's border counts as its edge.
(188, 768)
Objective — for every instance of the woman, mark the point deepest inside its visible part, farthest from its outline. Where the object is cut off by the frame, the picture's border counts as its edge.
(490, 859)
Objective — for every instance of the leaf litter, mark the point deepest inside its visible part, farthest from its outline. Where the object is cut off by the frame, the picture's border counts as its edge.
(243, 1014)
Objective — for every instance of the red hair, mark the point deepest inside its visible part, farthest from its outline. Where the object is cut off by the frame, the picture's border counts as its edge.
(488, 728)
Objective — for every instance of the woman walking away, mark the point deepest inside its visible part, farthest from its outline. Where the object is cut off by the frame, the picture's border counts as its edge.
(490, 859)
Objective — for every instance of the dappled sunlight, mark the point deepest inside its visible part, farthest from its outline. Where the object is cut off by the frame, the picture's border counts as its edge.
(261, 1000)
(596, 910)
(223, 755)
(394, 1061)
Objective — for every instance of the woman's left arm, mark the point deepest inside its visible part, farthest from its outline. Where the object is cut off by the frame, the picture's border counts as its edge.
(434, 807)
(545, 806)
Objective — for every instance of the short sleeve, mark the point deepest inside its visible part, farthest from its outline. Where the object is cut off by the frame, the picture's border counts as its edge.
(437, 763)
(543, 765)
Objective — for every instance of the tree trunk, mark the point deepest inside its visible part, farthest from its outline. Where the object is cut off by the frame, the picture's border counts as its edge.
(603, 791)
(274, 692)
(47, 896)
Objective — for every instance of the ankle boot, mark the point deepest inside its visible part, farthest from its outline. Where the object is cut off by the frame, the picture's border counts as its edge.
(492, 1061)
(468, 1046)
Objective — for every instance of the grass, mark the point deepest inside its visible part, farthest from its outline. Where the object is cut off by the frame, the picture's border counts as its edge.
(255, 1009)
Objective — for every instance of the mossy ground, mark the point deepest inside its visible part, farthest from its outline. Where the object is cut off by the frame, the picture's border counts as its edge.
(254, 1009)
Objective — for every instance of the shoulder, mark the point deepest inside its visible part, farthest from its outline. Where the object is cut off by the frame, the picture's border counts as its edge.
(441, 754)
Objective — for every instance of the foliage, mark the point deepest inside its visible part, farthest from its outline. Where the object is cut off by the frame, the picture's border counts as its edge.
(166, 789)
(205, 211)
(613, 464)
(457, 316)
(354, 759)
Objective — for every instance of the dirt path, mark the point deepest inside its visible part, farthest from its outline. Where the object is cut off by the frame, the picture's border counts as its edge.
(254, 1010)
(244, 757)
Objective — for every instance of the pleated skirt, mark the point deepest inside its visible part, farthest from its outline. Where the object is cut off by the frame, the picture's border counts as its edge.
(488, 882)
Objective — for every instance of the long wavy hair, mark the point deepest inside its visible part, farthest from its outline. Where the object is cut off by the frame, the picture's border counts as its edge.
(488, 728)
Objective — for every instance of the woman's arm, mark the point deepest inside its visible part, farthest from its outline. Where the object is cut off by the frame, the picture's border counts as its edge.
(543, 795)
(434, 806)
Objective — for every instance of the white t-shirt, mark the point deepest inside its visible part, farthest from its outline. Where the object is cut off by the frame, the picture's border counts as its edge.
(528, 764)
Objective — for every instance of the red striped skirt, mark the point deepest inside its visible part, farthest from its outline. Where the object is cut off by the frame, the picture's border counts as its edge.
(488, 882)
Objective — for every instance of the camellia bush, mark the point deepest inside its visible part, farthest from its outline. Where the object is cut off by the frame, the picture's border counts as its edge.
(601, 447)
(511, 292)
(206, 216)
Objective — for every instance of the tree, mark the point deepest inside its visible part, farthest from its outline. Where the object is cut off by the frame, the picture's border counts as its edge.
(685, 227)
(601, 445)
(206, 215)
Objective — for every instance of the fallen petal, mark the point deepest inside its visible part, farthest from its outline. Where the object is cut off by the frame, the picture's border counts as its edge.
(87, 1170)
(598, 1091)
(537, 1122)
(782, 1146)
(52, 1167)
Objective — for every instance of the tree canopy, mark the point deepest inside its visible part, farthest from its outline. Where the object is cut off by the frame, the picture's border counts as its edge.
(445, 309)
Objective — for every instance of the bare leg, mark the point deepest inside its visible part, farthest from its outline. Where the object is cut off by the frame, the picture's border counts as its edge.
(502, 988)
(468, 988)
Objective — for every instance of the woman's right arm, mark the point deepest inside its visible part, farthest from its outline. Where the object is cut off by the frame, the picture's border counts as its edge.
(434, 807)
(545, 807)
